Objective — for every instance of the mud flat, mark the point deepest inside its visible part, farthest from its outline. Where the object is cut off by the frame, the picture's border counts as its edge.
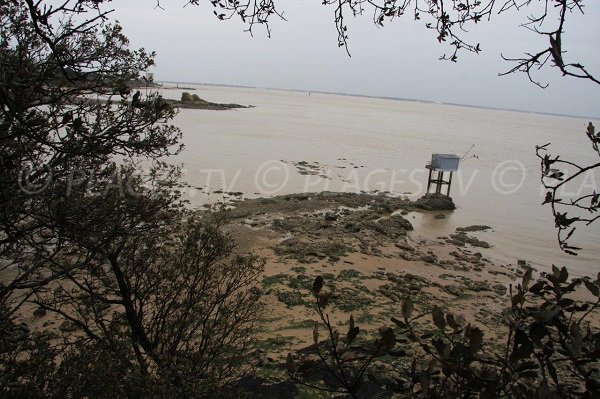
(366, 249)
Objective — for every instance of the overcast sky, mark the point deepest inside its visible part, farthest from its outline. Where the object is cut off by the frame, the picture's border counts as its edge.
(399, 60)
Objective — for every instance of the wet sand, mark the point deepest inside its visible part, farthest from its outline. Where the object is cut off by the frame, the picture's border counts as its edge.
(364, 246)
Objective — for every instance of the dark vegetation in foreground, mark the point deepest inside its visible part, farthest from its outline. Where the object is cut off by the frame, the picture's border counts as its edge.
(110, 287)
(551, 349)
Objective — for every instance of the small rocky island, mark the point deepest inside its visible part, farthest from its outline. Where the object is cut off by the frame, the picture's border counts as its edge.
(194, 102)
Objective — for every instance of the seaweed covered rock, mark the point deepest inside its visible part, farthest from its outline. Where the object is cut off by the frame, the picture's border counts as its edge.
(435, 202)
(394, 226)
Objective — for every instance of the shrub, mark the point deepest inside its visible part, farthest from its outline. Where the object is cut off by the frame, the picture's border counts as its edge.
(551, 350)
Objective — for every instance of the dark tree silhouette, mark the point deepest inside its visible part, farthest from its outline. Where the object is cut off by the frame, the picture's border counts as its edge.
(149, 299)
(448, 19)
(559, 177)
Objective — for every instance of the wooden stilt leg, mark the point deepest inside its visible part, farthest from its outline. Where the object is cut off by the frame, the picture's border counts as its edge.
(429, 181)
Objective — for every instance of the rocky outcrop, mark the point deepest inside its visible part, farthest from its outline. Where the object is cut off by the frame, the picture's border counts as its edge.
(203, 104)
(475, 227)
(435, 202)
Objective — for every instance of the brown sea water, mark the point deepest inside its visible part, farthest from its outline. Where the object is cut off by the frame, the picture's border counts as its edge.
(358, 143)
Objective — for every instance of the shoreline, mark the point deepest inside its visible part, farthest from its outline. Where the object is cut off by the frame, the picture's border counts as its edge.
(390, 98)
(371, 259)
(364, 247)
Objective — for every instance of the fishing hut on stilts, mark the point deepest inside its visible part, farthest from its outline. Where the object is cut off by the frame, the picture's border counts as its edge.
(439, 165)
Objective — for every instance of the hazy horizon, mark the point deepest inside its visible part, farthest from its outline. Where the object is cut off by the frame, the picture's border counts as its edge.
(397, 61)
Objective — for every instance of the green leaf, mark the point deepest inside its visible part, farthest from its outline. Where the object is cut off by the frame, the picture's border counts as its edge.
(352, 333)
(318, 285)
(522, 348)
(475, 339)
(527, 279)
(452, 321)
(399, 323)
(593, 288)
(563, 275)
(438, 318)
(324, 299)
(441, 347)
(565, 302)
(517, 300)
(538, 287)
(388, 338)
(537, 331)
(552, 372)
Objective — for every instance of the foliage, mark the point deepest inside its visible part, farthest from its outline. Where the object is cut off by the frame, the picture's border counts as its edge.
(54, 135)
(337, 357)
(150, 299)
(26, 360)
(551, 348)
(449, 20)
(557, 179)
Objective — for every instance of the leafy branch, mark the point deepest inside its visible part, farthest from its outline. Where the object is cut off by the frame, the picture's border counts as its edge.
(556, 179)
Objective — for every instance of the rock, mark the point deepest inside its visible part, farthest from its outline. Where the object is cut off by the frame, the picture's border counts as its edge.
(429, 259)
(478, 286)
(250, 222)
(452, 290)
(351, 227)
(331, 217)
(461, 238)
(500, 289)
(435, 202)
(440, 216)
(405, 246)
(408, 256)
(393, 226)
(290, 298)
(307, 252)
(475, 227)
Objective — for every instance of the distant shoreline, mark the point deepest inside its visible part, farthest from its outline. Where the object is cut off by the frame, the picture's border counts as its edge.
(414, 100)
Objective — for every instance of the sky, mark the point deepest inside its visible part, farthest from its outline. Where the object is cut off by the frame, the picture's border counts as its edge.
(400, 60)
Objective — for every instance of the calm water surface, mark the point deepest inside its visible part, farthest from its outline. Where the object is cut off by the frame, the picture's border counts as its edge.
(377, 144)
